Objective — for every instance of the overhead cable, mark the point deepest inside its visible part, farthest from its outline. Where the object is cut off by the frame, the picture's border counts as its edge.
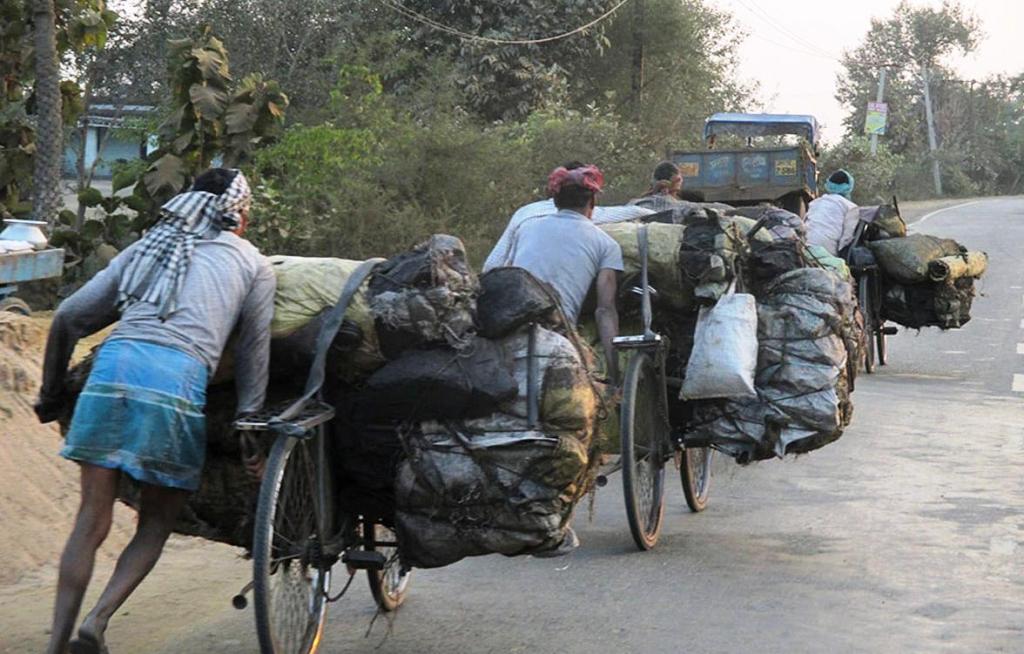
(397, 6)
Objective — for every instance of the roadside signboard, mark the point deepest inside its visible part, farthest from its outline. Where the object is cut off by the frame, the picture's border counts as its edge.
(875, 121)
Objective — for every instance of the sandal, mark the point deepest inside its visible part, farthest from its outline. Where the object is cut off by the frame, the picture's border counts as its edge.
(87, 644)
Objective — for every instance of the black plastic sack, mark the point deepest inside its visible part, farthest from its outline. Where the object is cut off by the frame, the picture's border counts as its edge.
(945, 305)
(511, 298)
(440, 383)
(424, 296)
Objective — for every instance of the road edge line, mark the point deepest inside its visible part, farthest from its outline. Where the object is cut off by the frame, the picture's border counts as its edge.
(938, 211)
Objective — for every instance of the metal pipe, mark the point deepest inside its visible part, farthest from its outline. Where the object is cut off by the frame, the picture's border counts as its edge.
(532, 380)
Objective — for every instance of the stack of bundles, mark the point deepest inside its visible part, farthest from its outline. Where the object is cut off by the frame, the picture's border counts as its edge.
(306, 289)
(806, 328)
(929, 280)
(712, 245)
(506, 482)
(424, 296)
(687, 263)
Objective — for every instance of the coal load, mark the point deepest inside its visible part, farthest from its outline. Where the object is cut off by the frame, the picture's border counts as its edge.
(307, 287)
(440, 383)
(424, 297)
(927, 281)
(806, 334)
(506, 483)
(511, 298)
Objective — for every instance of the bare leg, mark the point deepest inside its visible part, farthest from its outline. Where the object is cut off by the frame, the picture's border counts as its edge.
(158, 511)
(99, 490)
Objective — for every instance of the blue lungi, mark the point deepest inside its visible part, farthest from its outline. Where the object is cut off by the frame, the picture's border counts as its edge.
(141, 412)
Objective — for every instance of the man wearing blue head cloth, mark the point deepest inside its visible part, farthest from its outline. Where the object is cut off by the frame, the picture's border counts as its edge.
(832, 218)
(178, 294)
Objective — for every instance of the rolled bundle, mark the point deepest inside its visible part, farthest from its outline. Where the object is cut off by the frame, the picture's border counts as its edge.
(971, 264)
(307, 287)
(906, 259)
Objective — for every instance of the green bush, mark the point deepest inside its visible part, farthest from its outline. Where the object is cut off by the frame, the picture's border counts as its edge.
(373, 180)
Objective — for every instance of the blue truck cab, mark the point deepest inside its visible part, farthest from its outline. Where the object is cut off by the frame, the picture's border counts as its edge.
(785, 175)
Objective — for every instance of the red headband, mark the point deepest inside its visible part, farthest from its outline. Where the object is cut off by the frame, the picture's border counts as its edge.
(589, 177)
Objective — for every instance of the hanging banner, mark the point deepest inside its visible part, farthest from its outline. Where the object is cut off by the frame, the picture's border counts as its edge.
(875, 121)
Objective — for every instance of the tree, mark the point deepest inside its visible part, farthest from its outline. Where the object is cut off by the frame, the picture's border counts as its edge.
(46, 199)
(77, 24)
(912, 43)
(689, 69)
(505, 81)
(209, 116)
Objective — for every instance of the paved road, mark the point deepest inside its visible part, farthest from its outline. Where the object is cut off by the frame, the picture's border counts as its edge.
(907, 535)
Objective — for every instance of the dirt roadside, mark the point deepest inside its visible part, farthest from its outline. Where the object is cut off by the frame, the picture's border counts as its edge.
(38, 498)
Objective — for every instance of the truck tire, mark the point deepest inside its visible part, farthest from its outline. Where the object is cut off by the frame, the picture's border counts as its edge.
(15, 305)
(795, 203)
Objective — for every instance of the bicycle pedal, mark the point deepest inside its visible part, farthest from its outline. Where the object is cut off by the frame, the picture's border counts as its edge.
(364, 560)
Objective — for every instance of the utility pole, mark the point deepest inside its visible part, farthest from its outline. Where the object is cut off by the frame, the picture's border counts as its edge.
(879, 98)
(637, 81)
(936, 173)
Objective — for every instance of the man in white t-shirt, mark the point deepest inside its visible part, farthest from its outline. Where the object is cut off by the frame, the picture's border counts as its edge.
(568, 252)
(600, 215)
(832, 218)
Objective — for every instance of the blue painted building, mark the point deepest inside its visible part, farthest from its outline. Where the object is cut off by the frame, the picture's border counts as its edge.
(112, 134)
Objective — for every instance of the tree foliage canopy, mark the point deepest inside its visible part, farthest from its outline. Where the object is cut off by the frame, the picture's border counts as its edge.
(978, 122)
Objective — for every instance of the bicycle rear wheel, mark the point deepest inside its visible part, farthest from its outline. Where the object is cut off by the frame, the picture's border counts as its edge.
(881, 350)
(864, 299)
(290, 579)
(643, 464)
(695, 470)
(390, 585)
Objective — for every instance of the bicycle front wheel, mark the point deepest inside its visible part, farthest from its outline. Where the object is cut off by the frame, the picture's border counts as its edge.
(290, 579)
(643, 463)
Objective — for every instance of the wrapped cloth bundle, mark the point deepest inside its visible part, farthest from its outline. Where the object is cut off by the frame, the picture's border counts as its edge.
(906, 260)
(424, 296)
(665, 243)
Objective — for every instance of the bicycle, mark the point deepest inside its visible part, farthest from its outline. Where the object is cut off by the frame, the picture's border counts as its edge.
(648, 439)
(300, 531)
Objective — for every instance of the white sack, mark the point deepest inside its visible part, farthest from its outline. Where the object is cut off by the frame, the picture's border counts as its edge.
(724, 357)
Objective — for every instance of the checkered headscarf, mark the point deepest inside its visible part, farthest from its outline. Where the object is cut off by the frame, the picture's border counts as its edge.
(156, 271)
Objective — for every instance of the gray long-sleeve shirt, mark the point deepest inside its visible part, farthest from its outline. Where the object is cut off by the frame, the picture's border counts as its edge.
(229, 284)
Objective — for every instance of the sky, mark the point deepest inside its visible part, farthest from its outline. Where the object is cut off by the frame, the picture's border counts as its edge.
(798, 75)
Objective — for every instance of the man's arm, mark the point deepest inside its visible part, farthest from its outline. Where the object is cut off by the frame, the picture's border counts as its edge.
(90, 309)
(252, 350)
(607, 317)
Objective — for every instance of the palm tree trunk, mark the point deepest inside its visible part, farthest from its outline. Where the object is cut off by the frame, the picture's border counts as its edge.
(46, 196)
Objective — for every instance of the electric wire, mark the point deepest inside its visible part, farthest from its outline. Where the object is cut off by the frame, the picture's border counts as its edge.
(762, 14)
(397, 6)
